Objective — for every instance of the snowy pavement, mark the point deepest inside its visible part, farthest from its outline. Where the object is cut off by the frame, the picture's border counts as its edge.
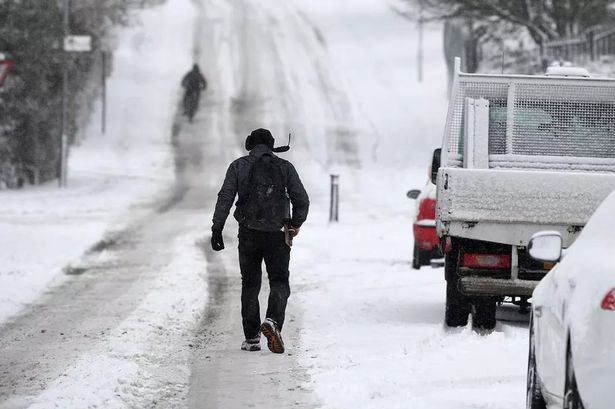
(134, 286)
(152, 319)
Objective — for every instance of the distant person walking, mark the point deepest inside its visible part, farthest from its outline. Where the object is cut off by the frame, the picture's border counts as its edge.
(193, 82)
(265, 184)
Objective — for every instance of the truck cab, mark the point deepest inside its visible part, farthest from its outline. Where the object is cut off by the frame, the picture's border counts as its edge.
(520, 154)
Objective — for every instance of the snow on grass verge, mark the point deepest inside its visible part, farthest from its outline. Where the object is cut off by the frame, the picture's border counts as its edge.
(43, 229)
(372, 333)
(146, 358)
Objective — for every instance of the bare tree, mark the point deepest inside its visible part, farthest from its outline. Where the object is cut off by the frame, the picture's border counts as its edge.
(544, 19)
(31, 31)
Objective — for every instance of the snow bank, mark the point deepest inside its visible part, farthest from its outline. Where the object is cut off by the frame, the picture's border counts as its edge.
(42, 229)
(125, 371)
(372, 333)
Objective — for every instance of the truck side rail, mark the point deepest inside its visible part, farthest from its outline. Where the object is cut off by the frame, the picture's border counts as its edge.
(536, 122)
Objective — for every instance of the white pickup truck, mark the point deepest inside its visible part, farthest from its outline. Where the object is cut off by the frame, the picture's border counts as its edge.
(521, 154)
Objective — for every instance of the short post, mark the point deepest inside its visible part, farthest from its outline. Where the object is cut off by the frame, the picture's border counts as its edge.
(335, 199)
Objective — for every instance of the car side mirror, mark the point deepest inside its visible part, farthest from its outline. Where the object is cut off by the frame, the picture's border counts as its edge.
(546, 246)
(413, 194)
(435, 165)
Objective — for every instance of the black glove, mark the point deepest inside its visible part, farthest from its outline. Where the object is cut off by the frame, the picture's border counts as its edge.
(217, 243)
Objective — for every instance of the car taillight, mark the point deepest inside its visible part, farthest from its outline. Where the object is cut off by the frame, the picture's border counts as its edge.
(608, 302)
(475, 260)
(427, 210)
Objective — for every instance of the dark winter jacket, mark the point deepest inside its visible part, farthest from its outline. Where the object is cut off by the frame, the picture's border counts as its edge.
(194, 81)
(236, 178)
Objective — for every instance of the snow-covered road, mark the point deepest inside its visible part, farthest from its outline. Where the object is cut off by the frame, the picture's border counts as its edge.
(153, 320)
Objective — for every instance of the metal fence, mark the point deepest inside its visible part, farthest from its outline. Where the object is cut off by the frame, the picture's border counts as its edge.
(592, 45)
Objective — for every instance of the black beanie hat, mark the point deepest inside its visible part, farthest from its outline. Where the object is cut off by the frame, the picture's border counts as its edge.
(259, 136)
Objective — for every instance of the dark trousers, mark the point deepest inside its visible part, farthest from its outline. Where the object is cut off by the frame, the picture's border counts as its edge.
(254, 247)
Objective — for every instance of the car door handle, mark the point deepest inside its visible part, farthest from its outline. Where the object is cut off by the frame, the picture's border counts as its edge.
(538, 310)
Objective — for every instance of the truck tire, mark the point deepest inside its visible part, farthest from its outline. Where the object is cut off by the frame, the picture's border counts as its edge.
(483, 314)
(457, 304)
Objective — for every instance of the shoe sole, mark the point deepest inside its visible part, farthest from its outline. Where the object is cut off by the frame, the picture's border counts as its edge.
(273, 342)
(251, 349)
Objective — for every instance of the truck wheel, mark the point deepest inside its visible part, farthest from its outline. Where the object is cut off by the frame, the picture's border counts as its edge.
(457, 304)
(483, 316)
(534, 399)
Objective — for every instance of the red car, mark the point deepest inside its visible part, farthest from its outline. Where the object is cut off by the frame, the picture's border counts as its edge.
(426, 241)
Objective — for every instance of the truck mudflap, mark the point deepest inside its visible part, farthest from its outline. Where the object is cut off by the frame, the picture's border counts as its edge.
(486, 286)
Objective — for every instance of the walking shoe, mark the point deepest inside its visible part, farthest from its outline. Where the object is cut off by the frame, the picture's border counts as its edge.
(274, 340)
(252, 344)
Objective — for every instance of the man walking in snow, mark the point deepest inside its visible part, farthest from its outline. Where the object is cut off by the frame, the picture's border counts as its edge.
(264, 184)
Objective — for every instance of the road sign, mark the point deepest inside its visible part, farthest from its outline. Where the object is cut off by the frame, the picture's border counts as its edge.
(78, 44)
(5, 67)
